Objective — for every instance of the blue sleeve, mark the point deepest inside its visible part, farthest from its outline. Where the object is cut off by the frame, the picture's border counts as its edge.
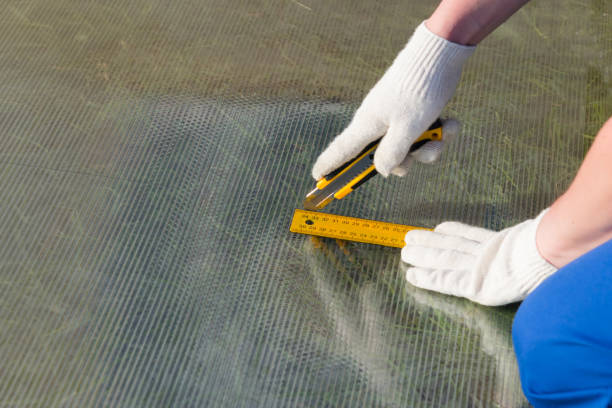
(562, 335)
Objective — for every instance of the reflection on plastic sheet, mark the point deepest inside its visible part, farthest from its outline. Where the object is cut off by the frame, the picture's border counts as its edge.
(411, 347)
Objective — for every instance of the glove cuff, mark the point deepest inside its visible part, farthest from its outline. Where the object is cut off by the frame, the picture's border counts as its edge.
(534, 268)
(434, 63)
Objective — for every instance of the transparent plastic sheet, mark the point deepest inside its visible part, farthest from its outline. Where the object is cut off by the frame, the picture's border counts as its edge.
(153, 154)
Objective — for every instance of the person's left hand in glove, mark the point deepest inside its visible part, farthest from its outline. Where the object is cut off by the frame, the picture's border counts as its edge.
(495, 268)
(487, 267)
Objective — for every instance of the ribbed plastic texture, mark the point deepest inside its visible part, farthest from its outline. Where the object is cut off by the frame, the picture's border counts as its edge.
(152, 154)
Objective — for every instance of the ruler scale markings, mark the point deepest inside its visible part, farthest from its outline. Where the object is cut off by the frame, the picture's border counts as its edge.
(350, 228)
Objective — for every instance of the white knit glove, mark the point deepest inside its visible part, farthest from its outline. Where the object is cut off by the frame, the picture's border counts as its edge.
(401, 106)
(487, 267)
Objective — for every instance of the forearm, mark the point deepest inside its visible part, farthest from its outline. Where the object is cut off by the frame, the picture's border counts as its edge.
(581, 219)
(467, 22)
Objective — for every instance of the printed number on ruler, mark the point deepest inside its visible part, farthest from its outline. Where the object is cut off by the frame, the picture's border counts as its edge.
(349, 228)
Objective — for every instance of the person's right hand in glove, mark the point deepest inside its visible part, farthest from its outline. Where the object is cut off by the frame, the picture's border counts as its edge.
(401, 106)
(413, 91)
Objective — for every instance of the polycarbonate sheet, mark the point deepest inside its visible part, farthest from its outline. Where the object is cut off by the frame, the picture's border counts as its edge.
(153, 153)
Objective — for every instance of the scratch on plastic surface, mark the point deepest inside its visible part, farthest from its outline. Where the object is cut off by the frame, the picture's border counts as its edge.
(531, 21)
(301, 5)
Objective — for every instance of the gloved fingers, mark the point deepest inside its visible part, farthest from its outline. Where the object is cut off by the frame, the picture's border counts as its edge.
(424, 257)
(404, 167)
(429, 152)
(362, 130)
(450, 129)
(437, 240)
(394, 146)
(466, 231)
(437, 280)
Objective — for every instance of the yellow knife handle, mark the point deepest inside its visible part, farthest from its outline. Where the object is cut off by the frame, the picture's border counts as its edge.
(433, 133)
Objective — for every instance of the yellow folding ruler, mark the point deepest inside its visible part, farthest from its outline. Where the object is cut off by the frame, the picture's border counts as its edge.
(349, 228)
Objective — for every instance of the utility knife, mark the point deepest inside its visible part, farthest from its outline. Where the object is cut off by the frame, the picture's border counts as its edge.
(355, 172)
